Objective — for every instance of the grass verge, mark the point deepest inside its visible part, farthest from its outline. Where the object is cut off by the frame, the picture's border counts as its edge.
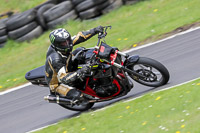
(176, 110)
(18, 5)
(131, 24)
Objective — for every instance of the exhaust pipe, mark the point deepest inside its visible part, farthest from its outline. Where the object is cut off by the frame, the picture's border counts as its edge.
(57, 99)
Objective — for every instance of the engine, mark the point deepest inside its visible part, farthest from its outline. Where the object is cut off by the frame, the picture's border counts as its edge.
(105, 88)
(102, 82)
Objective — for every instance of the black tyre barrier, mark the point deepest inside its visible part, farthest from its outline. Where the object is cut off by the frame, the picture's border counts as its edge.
(33, 34)
(116, 4)
(3, 23)
(2, 45)
(76, 2)
(40, 17)
(3, 39)
(45, 3)
(21, 19)
(22, 30)
(71, 15)
(130, 2)
(60, 1)
(3, 32)
(57, 11)
(87, 4)
(23, 27)
(103, 5)
(89, 13)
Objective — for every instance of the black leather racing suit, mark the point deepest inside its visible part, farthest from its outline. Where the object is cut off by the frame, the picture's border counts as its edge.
(59, 68)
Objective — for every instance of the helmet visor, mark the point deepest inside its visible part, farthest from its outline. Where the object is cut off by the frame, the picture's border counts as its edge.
(64, 46)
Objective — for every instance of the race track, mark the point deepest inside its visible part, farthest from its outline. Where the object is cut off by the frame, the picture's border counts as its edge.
(25, 110)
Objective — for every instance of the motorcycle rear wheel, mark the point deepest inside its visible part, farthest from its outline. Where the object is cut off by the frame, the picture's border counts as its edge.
(155, 73)
(78, 107)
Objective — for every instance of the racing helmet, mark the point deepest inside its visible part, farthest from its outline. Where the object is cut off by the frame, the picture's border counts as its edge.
(61, 41)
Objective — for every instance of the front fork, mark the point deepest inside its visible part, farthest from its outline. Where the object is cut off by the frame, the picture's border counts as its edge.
(129, 61)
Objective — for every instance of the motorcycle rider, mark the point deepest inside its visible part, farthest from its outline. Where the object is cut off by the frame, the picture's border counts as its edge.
(59, 71)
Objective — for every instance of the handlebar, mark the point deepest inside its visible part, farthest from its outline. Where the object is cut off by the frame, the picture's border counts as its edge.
(103, 34)
(107, 28)
(100, 36)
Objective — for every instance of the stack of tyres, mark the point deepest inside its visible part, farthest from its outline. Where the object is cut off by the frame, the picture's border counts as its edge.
(76, 2)
(112, 4)
(47, 2)
(59, 14)
(3, 32)
(23, 26)
(40, 15)
(88, 9)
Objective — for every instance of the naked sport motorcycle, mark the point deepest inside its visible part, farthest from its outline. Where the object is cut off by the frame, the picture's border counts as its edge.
(110, 76)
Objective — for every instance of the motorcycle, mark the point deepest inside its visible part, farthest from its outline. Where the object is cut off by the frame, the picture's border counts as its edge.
(110, 76)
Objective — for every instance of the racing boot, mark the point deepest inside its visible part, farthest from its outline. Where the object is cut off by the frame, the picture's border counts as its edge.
(75, 95)
(67, 95)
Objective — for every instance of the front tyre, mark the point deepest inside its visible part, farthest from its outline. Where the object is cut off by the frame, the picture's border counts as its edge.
(155, 74)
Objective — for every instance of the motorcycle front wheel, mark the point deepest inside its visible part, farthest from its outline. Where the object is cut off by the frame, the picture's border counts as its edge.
(155, 74)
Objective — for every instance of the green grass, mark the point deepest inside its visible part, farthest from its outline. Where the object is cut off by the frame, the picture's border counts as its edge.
(131, 25)
(18, 5)
(176, 110)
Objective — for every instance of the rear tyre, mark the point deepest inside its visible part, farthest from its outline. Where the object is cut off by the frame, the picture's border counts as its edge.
(155, 74)
(78, 108)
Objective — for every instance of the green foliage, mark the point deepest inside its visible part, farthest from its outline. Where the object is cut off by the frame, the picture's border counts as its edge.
(131, 25)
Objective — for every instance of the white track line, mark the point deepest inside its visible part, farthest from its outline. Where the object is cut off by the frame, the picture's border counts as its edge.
(153, 43)
(164, 89)
(14, 89)
(133, 49)
(40, 128)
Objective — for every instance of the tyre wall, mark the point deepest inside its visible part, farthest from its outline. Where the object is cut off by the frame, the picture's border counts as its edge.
(32, 23)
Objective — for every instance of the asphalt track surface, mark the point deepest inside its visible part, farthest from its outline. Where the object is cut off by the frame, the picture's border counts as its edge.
(25, 110)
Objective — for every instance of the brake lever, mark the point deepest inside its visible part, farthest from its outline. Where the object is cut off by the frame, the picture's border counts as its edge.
(107, 28)
(103, 34)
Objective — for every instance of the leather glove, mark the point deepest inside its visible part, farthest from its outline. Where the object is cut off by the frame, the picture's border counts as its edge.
(84, 70)
(98, 29)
